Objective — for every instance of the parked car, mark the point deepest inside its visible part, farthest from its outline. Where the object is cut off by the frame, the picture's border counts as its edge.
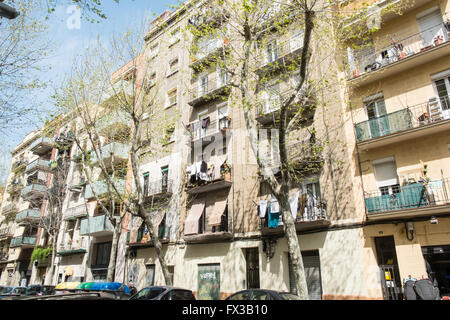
(163, 293)
(12, 291)
(262, 294)
(40, 290)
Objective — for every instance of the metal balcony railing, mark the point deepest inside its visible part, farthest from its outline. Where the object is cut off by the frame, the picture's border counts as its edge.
(23, 240)
(9, 208)
(33, 188)
(28, 214)
(19, 164)
(404, 119)
(72, 246)
(75, 212)
(42, 145)
(116, 149)
(38, 164)
(207, 88)
(368, 59)
(274, 50)
(162, 186)
(413, 195)
(94, 225)
(6, 231)
(101, 188)
(200, 130)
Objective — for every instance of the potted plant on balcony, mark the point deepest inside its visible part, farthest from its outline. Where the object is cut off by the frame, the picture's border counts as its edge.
(437, 40)
(225, 171)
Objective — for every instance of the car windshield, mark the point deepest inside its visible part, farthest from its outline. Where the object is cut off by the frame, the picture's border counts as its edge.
(148, 293)
(289, 296)
(47, 290)
(6, 290)
(31, 290)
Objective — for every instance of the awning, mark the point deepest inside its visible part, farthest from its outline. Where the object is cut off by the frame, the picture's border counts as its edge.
(157, 219)
(215, 218)
(191, 223)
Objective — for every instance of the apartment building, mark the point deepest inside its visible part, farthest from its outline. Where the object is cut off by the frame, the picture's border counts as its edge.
(398, 89)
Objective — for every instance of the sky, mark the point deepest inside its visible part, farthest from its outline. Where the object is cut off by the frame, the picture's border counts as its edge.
(70, 39)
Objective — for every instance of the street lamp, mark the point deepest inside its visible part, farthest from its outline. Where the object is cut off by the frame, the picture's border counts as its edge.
(7, 11)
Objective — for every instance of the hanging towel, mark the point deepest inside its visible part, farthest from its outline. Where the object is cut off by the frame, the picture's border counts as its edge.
(203, 167)
(293, 201)
(262, 208)
(274, 205)
(205, 123)
(274, 218)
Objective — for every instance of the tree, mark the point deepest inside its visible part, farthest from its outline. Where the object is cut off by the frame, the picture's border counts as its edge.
(258, 63)
(23, 47)
(99, 92)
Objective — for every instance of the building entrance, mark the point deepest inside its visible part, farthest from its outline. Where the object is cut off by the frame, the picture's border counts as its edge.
(437, 261)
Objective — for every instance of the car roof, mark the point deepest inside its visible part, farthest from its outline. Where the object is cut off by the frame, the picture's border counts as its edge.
(167, 288)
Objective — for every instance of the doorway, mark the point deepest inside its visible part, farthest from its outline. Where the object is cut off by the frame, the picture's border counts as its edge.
(437, 261)
(387, 261)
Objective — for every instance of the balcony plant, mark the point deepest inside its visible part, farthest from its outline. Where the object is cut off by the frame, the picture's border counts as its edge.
(40, 254)
(225, 171)
(437, 40)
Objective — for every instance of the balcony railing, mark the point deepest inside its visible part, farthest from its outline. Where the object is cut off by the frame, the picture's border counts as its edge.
(15, 186)
(158, 187)
(38, 164)
(101, 188)
(96, 225)
(368, 59)
(114, 119)
(6, 231)
(72, 247)
(18, 165)
(209, 89)
(199, 130)
(411, 196)
(208, 50)
(23, 241)
(116, 149)
(42, 145)
(9, 208)
(273, 51)
(33, 189)
(404, 119)
(28, 214)
(75, 212)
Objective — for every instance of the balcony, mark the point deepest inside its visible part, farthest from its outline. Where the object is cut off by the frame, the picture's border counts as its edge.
(210, 130)
(38, 165)
(404, 124)
(4, 257)
(15, 186)
(158, 189)
(268, 111)
(114, 150)
(42, 146)
(33, 191)
(208, 51)
(210, 234)
(23, 241)
(113, 121)
(214, 88)
(28, 215)
(6, 232)
(9, 208)
(369, 64)
(65, 139)
(101, 188)
(276, 55)
(19, 165)
(96, 226)
(79, 186)
(139, 240)
(412, 200)
(72, 248)
(216, 180)
(75, 212)
(311, 216)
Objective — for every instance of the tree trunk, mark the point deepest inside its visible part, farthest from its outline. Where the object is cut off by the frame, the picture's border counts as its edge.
(49, 275)
(158, 248)
(114, 246)
(293, 247)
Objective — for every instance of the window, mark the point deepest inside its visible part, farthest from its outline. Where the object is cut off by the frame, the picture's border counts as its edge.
(271, 51)
(154, 49)
(172, 98)
(175, 36)
(296, 40)
(224, 121)
(150, 274)
(245, 295)
(102, 252)
(222, 77)
(202, 85)
(173, 67)
(376, 112)
(146, 182)
(171, 270)
(261, 295)
(443, 89)
(272, 98)
(431, 26)
(165, 177)
(386, 175)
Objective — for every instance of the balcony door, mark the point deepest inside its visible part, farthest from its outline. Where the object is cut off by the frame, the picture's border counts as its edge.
(431, 27)
(442, 88)
(386, 175)
(378, 121)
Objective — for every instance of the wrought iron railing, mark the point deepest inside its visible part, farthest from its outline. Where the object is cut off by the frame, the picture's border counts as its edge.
(368, 59)
(403, 119)
(23, 240)
(213, 84)
(161, 186)
(202, 129)
(410, 196)
(274, 50)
